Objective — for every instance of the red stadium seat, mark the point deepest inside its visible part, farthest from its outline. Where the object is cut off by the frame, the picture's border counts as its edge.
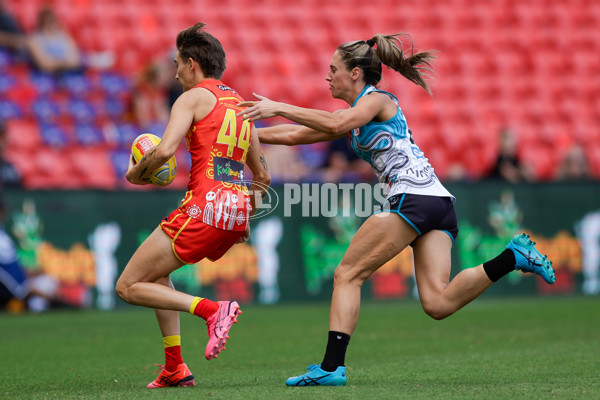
(21, 159)
(542, 158)
(593, 156)
(93, 168)
(23, 134)
(52, 171)
(510, 63)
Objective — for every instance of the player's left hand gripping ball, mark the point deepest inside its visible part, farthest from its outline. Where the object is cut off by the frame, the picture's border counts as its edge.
(165, 173)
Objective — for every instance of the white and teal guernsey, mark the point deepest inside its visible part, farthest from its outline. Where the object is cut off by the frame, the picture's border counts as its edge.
(394, 156)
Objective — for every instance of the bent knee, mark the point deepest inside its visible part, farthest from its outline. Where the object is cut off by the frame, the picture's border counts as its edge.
(437, 311)
(121, 288)
(346, 274)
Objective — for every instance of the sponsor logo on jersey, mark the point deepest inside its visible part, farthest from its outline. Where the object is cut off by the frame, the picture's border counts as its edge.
(224, 88)
(417, 152)
(226, 170)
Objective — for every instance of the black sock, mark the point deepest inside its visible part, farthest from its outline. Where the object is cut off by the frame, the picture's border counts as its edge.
(335, 354)
(498, 267)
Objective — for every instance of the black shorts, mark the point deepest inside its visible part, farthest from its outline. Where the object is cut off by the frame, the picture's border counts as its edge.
(424, 213)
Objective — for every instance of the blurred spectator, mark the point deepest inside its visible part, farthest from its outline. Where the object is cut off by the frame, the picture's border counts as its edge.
(11, 34)
(52, 48)
(166, 76)
(285, 164)
(508, 166)
(9, 176)
(456, 172)
(505, 216)
(18, 288)
(27, 229)
(343, 165)
(150, 102)
(174, 90)
(575, 165)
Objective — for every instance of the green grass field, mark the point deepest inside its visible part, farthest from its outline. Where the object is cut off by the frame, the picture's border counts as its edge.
(529, 348)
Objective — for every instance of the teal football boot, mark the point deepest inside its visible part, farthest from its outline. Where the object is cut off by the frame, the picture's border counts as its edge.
(317, 377)
(529, 259)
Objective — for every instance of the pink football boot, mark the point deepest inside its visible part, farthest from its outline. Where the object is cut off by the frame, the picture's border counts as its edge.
(218, 326)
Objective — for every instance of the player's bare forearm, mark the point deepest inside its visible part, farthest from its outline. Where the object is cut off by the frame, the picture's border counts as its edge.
(260, 184)
(335, 123)
(278, 134)
(257, 162)
(319, 120)
(138, 173)
(291, 135)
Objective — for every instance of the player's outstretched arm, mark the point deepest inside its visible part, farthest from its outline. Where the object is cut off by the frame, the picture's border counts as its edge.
(333, 123)
(291, 135)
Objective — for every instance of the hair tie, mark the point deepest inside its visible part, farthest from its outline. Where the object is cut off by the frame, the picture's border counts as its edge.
(371, 43)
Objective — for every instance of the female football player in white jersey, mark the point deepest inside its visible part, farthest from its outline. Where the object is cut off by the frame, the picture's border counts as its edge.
(419, 211)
